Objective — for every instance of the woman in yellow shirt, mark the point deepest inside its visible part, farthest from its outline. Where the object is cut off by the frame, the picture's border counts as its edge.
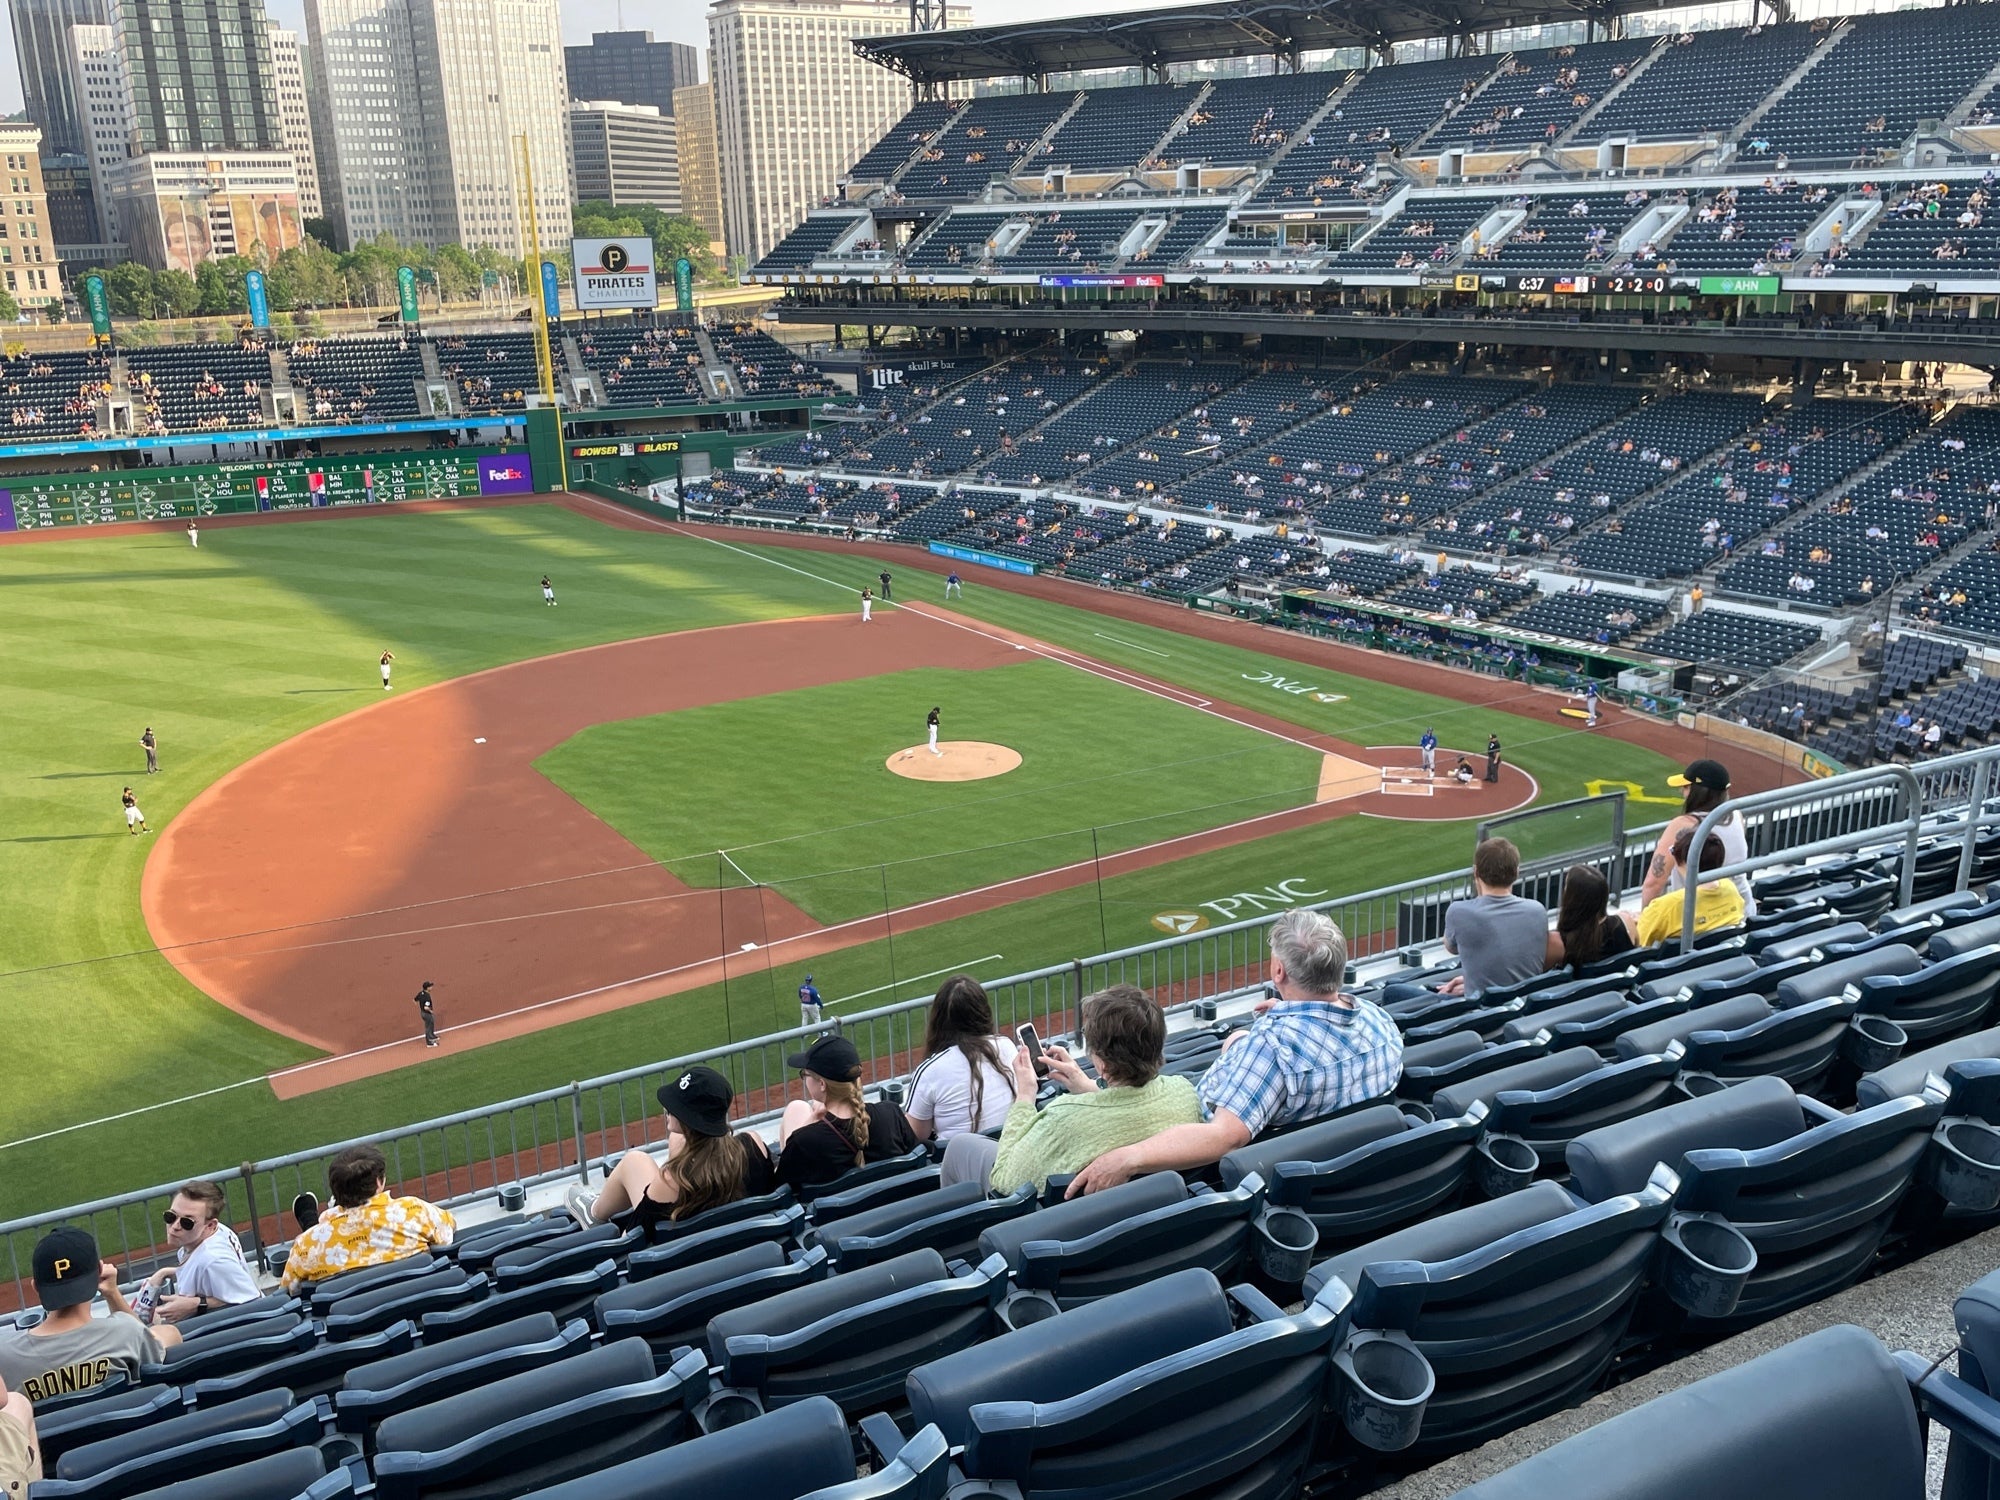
(1717, 902)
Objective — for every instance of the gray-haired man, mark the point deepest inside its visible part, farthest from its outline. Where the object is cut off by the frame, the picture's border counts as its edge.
(1310, 1052)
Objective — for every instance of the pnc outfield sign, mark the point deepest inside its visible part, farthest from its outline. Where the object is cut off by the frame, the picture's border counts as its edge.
(1295, 688)
(1236, 905)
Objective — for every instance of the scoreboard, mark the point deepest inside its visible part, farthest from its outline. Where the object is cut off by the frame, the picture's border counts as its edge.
(32, 502)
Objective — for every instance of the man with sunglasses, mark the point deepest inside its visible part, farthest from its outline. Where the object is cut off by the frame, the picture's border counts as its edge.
(211, 1270)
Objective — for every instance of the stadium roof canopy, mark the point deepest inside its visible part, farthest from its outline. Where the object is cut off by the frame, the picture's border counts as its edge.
(1164, 35)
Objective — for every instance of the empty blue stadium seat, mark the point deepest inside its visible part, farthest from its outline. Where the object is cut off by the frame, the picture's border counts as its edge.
(184, 1446)
(1519, 1303)
(298, 1474)
(403, 1381)
(677, 1249)
(1101, 1243)
(230, 1350)
(565, 1296)
(1935, 1003)
(1906, 1075)
(947, 1220)
(313, 1371)
(62, 1428)
(1828, 1417)
(540, 1427)
(673, 1310)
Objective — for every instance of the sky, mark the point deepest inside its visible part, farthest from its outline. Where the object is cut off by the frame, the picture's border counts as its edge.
(683, 21)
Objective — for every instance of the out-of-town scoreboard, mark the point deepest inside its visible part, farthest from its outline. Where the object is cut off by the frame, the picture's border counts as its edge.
(31, 502)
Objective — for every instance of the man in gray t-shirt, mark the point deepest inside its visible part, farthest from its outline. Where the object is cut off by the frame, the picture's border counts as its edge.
(1500, 938)
(69, 1350)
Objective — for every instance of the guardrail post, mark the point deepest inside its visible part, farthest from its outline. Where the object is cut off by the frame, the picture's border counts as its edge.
(248, 1172)
(576, 1122)
(1975, 818)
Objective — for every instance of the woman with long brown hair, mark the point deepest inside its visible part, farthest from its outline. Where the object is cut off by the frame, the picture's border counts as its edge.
(707, 1164)
(1586, 930)
(965, 1082)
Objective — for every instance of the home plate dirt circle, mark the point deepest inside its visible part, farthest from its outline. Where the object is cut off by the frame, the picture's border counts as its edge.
(962, 760)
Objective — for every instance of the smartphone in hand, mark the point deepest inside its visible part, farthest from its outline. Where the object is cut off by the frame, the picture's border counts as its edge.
(1030, 1039)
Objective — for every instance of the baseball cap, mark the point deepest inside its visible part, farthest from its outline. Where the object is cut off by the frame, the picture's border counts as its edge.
(1709, 773)
(66, 1266)
(831, 1057)
(700, 1100)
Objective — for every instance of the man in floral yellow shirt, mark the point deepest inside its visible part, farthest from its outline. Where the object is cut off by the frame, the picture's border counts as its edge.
(364, 1226)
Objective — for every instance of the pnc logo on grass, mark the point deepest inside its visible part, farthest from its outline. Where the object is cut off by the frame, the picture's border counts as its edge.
(1180, 923)
(1295, 688)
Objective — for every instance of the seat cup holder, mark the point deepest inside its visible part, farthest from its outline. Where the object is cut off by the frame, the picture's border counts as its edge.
(727, 1408)
(1020, 1309)
(1708, 1264)
(1284, 1242)
(1503, 1164)
(1423, 1114)
(513, 1198)
(1963, 1164)
(1873, 1042)
(1697, 1085)
(1384, 1385)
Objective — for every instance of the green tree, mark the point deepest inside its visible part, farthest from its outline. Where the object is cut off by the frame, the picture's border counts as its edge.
(211, 290)
(174, 294)
(457, 274)
(10, 309)
(129, 288)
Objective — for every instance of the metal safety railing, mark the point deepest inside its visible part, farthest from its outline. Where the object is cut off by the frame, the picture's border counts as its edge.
(558, 1133)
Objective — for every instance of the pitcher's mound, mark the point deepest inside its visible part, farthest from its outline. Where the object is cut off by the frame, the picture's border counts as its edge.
(962, 760)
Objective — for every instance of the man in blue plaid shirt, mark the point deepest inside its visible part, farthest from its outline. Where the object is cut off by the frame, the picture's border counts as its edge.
(1310, 1052)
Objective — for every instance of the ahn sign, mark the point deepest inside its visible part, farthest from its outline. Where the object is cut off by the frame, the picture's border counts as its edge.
(615, 273)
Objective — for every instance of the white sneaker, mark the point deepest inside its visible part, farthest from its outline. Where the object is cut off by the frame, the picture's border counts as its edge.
(577, 1202)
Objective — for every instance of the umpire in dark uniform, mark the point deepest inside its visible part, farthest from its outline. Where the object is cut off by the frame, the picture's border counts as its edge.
(430, 1017)
(1492, 757)
(885, 583)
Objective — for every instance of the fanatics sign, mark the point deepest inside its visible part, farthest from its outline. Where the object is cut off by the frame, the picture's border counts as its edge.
(615, 273)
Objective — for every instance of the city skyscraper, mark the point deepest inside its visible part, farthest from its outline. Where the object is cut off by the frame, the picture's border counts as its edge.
(199, 75)
(41, 46)
(794, 107)
(623, 154)
(632, 68)
(98, 86)
(416, 108)
(701, 171)
(295, 117)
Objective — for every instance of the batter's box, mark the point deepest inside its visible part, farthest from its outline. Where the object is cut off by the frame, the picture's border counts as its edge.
(1406, 781)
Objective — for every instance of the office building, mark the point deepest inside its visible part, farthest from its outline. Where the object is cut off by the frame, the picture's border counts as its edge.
(794, 107)
(288, 69)
(623, 154)
(28, 265)
(41, 47)
(632, 68)
(180, 209)
(198, 73)
(417, 106)
(72, 199)
(701, 169)
(98, 87)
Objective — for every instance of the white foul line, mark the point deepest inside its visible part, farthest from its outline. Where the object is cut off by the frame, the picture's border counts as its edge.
(1131, 645)
(957, 968)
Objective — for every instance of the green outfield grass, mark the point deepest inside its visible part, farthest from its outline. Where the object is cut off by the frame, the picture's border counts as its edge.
(270, 629)
(794, 790)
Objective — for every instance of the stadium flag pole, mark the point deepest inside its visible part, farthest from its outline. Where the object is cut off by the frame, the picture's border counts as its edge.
(1097, 865)
(544, 361)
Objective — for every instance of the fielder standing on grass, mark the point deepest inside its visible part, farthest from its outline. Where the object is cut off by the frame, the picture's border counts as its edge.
(1428, 748)
(931, 724)
(548, 590)
(135, 821)
(951, 586)
(387, 657)
(194, 536)
(429, 1015)
(810, 1008)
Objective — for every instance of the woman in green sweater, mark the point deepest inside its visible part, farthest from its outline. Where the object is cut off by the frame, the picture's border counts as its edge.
(1125, 1033)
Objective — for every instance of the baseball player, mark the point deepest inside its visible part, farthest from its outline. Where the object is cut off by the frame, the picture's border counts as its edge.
(423, 1000)
(1428, 748)
(931, 724)
(867, 603)
(194, 535)
(810, 1009)
(135, 821)
(387, 657)
(951, 586)
(1492, 757)
(548, 590)
(885, 583)
(1590, 704)
(152, 748)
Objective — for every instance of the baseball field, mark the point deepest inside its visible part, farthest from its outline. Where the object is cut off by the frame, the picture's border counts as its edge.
(625, 827)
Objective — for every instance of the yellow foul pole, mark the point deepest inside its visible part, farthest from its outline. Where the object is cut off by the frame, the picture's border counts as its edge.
(544, 361)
